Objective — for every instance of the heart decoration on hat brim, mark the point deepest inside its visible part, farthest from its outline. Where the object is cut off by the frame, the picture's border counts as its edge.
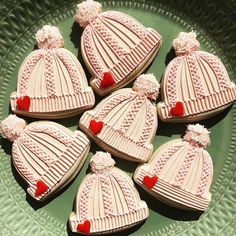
(150, 181)
(178, 109)
(41, 188)
(107, 80)
(84, 228)
(96, 126)
(23, 103)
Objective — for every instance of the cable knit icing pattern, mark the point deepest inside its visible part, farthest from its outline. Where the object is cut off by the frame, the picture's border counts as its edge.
(129, 120)
(183, 169)
(196, 79)
(52, 79)
(45, 152)
(114, 43)
(107, 195)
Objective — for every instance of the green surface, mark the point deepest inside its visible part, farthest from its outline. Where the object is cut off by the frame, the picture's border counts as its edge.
(214, 22)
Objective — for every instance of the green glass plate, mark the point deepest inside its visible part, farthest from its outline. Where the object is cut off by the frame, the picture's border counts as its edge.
(214, 21)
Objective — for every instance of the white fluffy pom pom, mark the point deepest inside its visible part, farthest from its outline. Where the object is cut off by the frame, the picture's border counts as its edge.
(101, 161)
(148, 85)
(49, 37)
(87, 11)
(198, 135)
(11, 127)
(185, 43)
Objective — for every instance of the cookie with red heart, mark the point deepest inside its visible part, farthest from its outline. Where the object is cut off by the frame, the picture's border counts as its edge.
(116, 48)
(51, 81)
(180, 171)
(195, 85)
(125, 122)
(107, 200)
(46, 154)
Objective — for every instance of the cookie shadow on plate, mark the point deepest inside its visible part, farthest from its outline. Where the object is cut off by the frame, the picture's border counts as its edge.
(170, 56)
(125, 232)
(169, 129)
(166, 210)
(6, 146)
(32, 202)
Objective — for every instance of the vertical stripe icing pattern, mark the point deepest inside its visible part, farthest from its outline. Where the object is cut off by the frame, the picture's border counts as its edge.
(84, 197)
(185, 167)
(217, 66)
(103, 31)
(171, 82)
(136, 105)
(148, 127)
(106, 192)
(21, 167)
(30, 64)
(50, 80)
(207, 168)
(165, 157)
(112, 103)
(64, 138)
(194, 68)
(132, 25)
(71, 67)
(129, 196)
(30, 144)
(90, 48)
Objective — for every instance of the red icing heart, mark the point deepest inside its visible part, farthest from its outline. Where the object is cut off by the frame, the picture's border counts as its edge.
(150, 181)
(41, 188)
(96, 126)
(23, 103)
(178, 109)
(84, 228)
(107, 80)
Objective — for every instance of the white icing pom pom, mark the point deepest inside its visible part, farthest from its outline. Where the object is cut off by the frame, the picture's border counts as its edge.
(101, 161)
(87, 11)
(185, 43)
(197, 134)
(11, 127)
(148, 85)
(49, 37)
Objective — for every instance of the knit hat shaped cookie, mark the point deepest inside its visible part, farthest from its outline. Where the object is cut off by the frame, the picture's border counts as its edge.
(51, 81)
(195, 85)
(180, 172)
(126, 122)
(115, 47)
(107, 200)
(47, 155)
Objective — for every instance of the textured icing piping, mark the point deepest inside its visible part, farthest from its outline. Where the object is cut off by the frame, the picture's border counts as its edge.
(87, 11)
(101, 161)
(197, 135)
(185, 43)
(148, 85)
(11, 127)
(49, 37)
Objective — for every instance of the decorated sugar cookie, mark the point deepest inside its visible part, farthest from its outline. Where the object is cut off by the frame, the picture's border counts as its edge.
(195, 85)
(107, 200)
(116, 48)
(47, 155)
(51, 81)
(180, 172)
(126, 122)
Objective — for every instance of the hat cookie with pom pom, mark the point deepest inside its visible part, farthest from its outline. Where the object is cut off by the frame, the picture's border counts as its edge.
(125, 122)
(116, 48)
(195, 84)
(46, 154)
(107, 200)
(180, 172)
(51, 81)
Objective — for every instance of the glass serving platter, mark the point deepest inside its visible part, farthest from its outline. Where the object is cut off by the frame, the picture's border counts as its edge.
(214, 21)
